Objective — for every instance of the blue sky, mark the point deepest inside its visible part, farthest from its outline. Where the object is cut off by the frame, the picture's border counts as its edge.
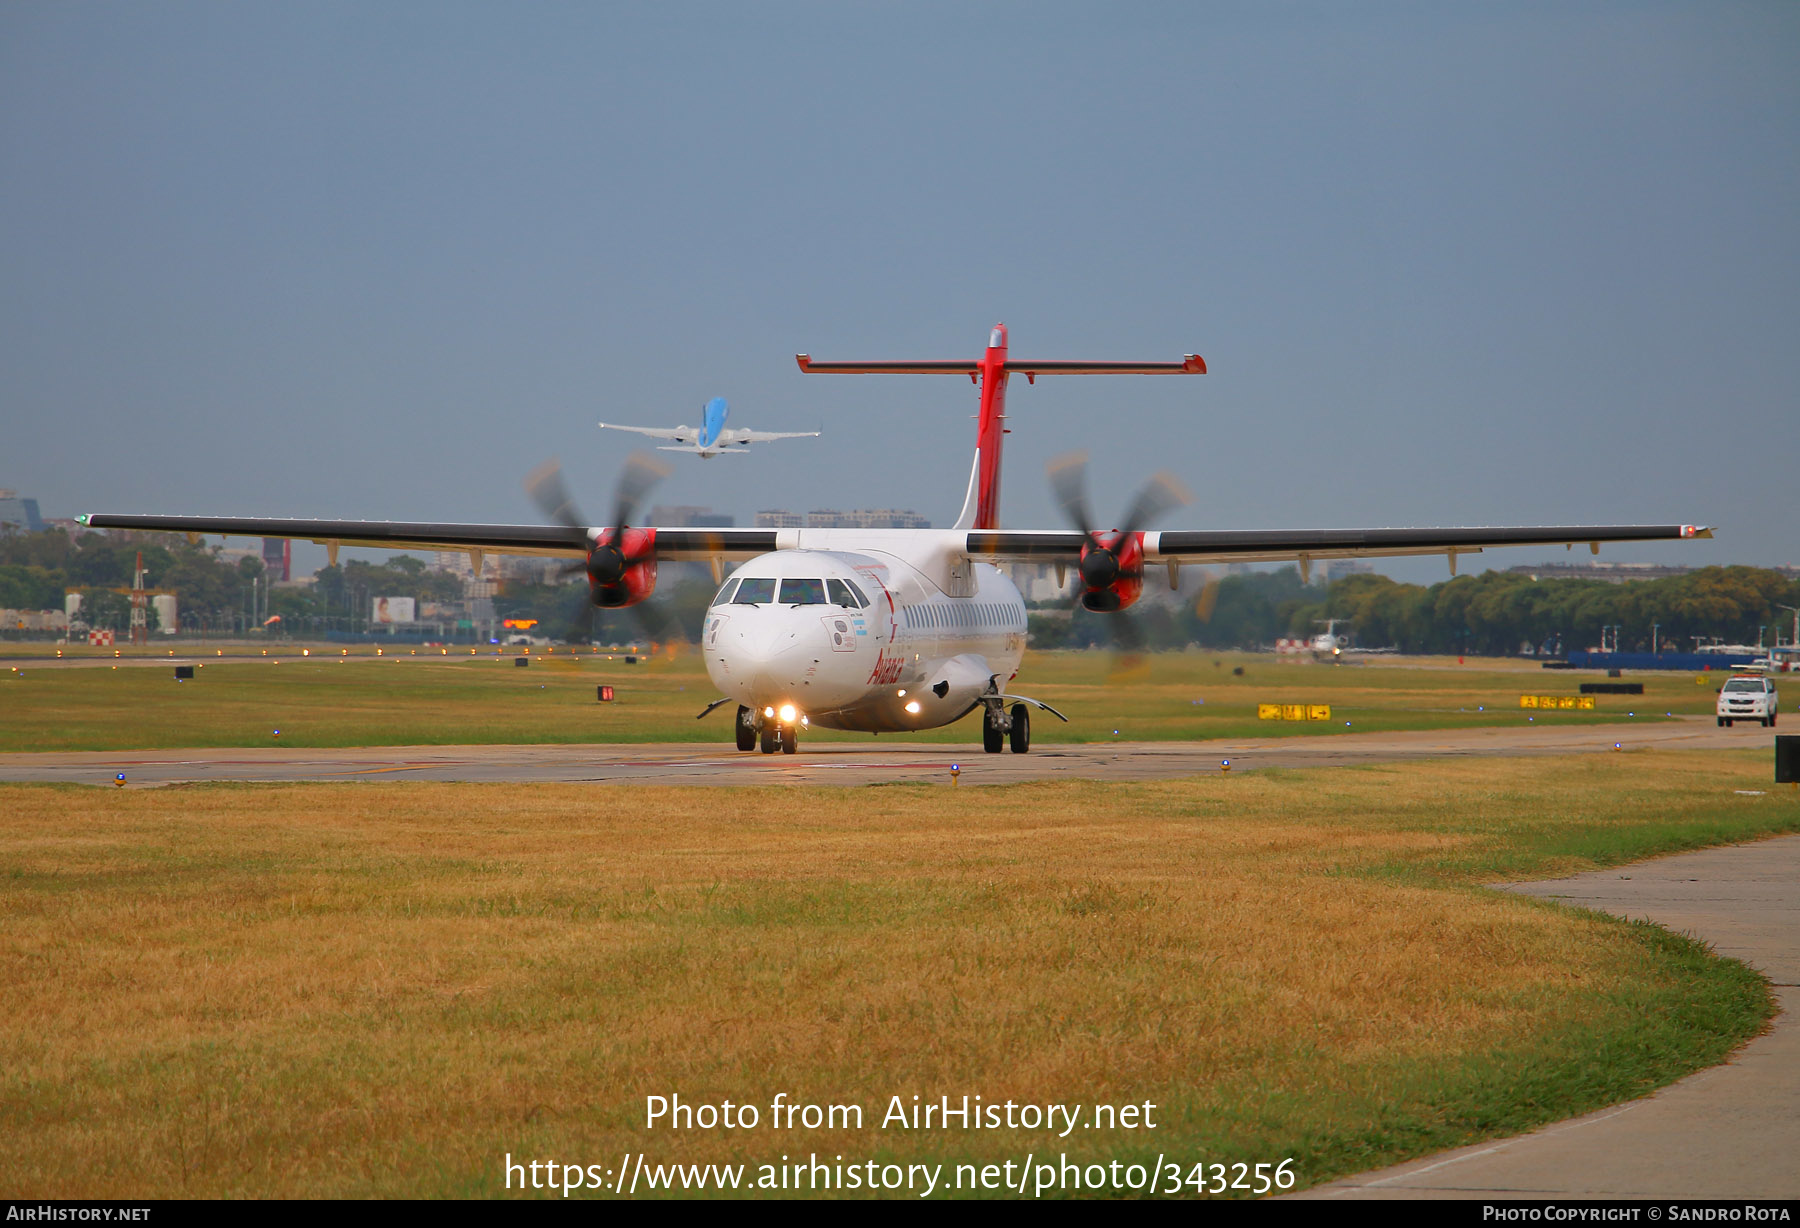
(1449, 264)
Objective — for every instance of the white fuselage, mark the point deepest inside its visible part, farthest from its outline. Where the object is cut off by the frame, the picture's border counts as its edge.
(869, 638)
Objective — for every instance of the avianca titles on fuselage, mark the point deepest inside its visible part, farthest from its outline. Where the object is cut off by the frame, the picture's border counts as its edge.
(895, 629)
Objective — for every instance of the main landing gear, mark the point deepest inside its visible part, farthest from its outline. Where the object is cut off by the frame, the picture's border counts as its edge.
(998, 727)
(768, 738)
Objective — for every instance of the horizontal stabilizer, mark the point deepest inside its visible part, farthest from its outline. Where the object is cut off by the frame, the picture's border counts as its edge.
(952, 366)
(1192, 364)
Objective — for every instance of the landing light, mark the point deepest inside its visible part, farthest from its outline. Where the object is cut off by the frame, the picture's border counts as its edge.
(913, 707)
(768, 712)
(787, 713)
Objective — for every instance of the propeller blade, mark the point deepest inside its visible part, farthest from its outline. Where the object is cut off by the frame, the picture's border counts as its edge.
(1128, 662)
(1161, 494)
(545, 485)
(1126, 636)
(1068, 482)
(656, 627)
(1209, 596)
(641, 473)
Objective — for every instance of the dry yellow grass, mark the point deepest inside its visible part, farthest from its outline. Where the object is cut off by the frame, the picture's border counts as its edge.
(345, 990)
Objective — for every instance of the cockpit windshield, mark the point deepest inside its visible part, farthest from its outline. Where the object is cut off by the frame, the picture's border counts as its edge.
(724, 597)
(802, 592)
(845, 594)
(755, 590)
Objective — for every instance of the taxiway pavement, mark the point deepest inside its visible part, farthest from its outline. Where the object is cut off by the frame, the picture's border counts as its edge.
(842, 763)
(1730, 1132)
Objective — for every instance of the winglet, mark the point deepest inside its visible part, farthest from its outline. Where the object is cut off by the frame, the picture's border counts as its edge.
(1193, 364)
(805, 361)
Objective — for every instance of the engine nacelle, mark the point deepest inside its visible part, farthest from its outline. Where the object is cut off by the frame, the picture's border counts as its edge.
(1112, 572)
(622, 567)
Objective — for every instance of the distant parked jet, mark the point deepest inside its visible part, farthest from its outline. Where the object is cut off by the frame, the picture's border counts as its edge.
(710, 438)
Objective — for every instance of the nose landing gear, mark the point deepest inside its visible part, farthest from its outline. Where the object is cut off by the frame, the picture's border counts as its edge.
(766, 738)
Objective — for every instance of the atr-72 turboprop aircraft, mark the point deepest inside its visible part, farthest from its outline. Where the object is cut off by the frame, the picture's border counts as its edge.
(895, 629)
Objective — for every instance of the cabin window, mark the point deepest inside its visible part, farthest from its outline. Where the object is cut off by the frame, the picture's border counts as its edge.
(755, 591)
(724, 597)
(803, 592)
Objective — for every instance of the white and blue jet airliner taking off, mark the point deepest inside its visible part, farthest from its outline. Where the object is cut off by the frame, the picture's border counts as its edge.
(884, 630)
(711, 438)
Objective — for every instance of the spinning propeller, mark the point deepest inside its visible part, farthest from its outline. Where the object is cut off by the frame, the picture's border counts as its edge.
(621, 562)
(1112, 562)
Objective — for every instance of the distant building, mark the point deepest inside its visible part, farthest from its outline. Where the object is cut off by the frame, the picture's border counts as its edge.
(780, 520)
(684, 516)
(278, 558)
(18, 514)
(1327, 570)
(1612, 573)
(1037, 581)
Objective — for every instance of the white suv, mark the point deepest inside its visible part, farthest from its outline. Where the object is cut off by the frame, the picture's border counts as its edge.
(1748, 697)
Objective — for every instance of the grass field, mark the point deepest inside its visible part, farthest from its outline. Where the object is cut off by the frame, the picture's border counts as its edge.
(384, 989)
(445, 700)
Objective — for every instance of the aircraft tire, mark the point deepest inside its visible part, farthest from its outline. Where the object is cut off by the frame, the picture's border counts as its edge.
(1021, 729)
(790, 741)
(769, 734)
(993, 741)
(746, 732)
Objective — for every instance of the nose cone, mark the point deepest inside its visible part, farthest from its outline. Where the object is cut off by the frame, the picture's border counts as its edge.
(774, 655)
(769, 655)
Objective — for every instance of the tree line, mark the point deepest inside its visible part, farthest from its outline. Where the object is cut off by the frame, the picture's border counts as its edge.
(1491, 613)
(1494, 613)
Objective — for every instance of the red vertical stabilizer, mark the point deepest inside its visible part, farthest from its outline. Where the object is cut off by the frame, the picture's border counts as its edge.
(990, 373)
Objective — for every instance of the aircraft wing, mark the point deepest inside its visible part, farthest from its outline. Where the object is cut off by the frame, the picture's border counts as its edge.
(529, 539)
(748, 436)
(678, 434)
(1281, 545)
